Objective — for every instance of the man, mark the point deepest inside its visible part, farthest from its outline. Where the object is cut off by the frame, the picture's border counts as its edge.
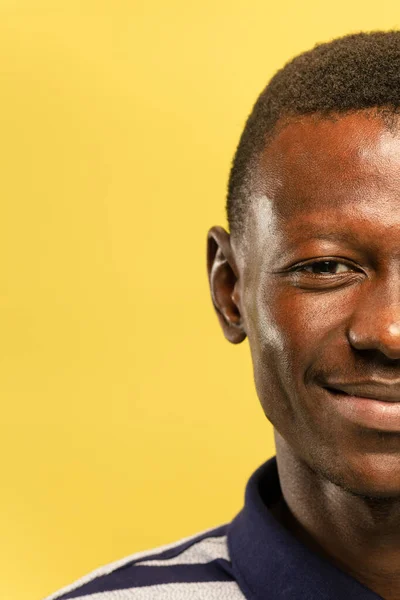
(310, 273)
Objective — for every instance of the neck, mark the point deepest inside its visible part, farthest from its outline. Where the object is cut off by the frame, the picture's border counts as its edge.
(359, 535)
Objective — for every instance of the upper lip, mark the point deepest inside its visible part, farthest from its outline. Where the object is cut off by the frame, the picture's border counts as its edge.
(388, 392)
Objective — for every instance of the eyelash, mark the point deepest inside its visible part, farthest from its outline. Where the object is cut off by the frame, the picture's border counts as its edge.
(301, 268)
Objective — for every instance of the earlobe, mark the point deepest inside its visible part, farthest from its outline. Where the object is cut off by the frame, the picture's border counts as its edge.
(223, 279)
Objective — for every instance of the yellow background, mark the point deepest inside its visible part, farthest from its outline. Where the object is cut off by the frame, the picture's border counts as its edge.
(128, 421)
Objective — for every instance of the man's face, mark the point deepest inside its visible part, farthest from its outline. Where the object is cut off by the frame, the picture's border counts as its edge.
(328, 193)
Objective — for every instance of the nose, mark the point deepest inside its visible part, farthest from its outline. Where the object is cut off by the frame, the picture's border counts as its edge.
(375, 323)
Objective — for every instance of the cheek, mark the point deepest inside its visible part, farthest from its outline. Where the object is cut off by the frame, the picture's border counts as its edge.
(283, 323)
(273, 342)
(289, 330)
(297, 323)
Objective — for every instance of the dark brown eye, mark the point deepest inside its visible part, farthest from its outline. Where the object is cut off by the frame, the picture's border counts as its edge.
(332, 267)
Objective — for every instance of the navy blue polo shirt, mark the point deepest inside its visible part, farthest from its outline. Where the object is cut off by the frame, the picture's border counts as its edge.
(253, 557)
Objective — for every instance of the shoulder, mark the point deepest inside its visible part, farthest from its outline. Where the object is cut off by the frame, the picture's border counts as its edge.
(193, 567)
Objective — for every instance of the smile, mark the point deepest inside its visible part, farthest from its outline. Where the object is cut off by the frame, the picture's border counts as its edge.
(373, 413)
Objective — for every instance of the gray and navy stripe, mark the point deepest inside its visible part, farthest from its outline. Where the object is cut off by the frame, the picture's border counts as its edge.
(195, 567)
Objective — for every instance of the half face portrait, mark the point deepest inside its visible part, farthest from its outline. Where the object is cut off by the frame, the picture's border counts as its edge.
(313, 280)
(307, 270)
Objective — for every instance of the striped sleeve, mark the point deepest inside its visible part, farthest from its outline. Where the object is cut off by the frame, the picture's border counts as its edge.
(197, 567)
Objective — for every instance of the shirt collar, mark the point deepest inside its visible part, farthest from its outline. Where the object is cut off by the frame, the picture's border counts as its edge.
(269, 562)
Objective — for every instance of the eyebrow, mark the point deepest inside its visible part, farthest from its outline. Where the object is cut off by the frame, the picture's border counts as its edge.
(343, 236)
(335, 236)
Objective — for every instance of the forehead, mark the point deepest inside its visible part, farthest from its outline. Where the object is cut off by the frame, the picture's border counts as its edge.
(319, 166)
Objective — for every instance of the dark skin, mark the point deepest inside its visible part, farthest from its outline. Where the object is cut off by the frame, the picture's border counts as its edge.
(310, 326)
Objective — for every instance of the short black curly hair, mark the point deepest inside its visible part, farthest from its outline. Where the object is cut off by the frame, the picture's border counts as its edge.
(351, 73)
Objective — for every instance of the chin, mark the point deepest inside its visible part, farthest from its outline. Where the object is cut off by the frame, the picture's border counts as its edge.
(371, 475)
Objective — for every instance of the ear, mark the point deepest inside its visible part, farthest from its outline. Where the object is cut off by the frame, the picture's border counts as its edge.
(223, 278)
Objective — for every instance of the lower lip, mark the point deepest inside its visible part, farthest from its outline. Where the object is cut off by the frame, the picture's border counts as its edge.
(368, 412)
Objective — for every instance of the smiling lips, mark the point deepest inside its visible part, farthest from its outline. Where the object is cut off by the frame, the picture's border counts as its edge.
(386, 392)
(370, 404)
